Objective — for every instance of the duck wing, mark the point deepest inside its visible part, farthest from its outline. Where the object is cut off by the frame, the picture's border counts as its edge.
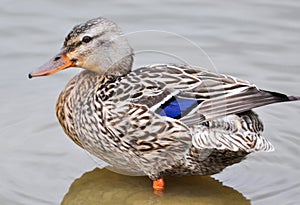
(192, 94)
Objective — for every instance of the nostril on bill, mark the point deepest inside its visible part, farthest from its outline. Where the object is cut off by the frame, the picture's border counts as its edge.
(56, 58)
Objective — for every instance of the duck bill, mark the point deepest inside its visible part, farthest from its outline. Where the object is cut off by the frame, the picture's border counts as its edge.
(59, 62)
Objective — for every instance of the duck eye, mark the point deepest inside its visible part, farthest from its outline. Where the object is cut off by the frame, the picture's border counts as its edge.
(86, 39)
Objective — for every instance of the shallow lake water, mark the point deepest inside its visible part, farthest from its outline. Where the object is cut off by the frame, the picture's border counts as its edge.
(253, 40)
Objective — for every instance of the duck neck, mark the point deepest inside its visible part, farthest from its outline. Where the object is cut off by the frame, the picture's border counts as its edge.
(121, 67)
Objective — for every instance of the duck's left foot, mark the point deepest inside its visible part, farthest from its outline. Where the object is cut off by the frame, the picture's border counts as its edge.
(159, 185)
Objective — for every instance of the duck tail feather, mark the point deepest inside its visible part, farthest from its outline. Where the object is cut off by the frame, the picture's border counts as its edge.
(281, 97)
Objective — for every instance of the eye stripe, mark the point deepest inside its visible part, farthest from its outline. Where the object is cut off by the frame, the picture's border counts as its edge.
(74, 45)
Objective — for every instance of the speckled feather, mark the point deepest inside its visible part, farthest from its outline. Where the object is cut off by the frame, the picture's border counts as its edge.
(158, 120)
(114, 119)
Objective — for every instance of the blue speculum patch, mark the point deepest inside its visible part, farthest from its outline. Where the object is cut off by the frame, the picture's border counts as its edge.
(177, 107)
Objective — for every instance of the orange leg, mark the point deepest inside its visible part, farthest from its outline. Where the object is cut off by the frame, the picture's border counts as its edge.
(159, 184)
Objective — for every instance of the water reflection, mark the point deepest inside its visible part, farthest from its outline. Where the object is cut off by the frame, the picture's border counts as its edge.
(102, 186)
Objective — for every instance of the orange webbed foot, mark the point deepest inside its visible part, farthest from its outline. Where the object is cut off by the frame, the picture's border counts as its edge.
(158, 186)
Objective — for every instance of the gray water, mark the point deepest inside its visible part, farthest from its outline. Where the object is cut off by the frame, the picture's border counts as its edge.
(253, 40)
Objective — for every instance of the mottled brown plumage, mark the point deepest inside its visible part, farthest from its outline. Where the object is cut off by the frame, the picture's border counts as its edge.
(159, 120)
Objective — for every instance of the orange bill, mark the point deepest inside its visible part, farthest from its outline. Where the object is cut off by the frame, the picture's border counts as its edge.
(59, 62)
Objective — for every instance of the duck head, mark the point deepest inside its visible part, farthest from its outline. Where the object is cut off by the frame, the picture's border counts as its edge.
(97, 45)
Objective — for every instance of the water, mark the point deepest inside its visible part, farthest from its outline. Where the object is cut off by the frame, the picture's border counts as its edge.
(254, 40)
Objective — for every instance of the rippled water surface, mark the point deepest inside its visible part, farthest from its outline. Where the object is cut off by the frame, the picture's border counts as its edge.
(254, 40)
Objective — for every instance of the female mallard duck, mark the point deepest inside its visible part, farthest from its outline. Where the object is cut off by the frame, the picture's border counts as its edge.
(158, 120)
